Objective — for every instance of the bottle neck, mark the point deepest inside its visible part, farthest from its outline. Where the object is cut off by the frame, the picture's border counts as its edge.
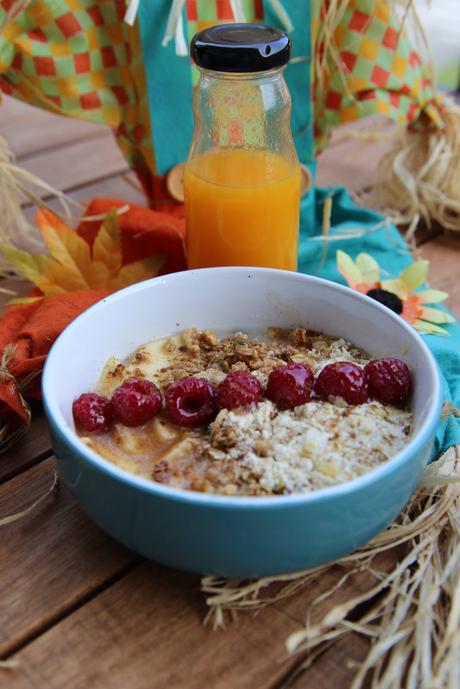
(242, 76)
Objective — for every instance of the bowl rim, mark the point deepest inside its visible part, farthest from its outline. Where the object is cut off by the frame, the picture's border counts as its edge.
(68, 434)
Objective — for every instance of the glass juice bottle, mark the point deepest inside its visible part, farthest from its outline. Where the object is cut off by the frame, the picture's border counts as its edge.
(242, 177)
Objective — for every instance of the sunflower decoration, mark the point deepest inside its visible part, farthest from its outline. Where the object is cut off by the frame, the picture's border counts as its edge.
(401, 294)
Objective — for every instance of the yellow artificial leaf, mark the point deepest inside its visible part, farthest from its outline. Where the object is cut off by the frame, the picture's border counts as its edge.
(70, 266)
(67, 248)
(25, 263)
(23, 300)
(429, 328)
(99, 275)
(350, 272)
(431, 296)
(436, 315)
(107, 246)
(415, 275)
(369, 268)
(137, 271)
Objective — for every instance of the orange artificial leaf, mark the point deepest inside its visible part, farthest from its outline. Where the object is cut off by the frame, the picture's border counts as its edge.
(72, 266)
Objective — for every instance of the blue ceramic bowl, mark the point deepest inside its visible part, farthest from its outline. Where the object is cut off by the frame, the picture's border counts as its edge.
(235, 536)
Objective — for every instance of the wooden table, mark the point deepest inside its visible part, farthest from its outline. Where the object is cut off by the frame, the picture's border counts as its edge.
(77, 610)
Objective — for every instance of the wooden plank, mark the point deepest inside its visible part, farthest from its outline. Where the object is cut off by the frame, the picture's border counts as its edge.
(13, 108)
(29, 130)
(350, 159)
(34, 446)
(50, 560)
(335, 668)
(149, 624)
(78, 164)
(443, 252)
(146, 630)
(113, 187)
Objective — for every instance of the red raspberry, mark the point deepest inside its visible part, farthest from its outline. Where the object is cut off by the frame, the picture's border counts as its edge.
(239, 389)
(290, 385)
(342, 379)
(92, 412)
(389, 380)
(136, 401)
(191, 401)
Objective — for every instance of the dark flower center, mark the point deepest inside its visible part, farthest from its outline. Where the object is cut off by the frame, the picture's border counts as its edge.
(391, 301)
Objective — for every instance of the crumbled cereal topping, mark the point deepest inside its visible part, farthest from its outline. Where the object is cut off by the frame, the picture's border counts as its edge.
(255, 450)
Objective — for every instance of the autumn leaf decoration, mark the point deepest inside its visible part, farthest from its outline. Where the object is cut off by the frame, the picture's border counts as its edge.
(72, 265)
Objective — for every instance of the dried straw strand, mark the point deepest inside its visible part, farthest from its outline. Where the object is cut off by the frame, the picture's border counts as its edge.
(16, 186)
(414, 624)
(4, 521)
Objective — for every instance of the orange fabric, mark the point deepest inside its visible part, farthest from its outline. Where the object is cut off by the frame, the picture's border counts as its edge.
(32, 328)
(143, 233)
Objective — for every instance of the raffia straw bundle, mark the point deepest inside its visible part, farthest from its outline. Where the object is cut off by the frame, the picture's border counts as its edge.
(420, 176)
(414, 623)
(17, 185)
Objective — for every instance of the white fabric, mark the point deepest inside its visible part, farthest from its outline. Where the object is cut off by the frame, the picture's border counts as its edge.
(238, 11)
(131, 12)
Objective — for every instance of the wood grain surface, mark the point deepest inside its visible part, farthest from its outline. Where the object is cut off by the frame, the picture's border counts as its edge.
(77, 610)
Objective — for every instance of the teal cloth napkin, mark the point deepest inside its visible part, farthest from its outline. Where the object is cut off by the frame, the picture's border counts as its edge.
(390, 250)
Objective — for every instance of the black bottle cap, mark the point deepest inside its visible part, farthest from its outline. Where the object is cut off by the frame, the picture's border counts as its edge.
(240, 48)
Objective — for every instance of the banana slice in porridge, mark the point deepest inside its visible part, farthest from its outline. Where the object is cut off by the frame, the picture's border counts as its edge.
(259, 448)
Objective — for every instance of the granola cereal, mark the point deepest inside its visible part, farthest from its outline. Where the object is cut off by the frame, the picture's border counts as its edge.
(259, 449)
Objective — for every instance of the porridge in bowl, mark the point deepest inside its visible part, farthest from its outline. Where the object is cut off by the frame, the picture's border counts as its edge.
(291, 411)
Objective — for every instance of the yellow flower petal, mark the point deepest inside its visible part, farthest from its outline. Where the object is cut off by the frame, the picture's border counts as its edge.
(370, 269)
(395, 286)
(350, 272)
(415, 275)
(432, 296)
(429, 328)
(436, 316)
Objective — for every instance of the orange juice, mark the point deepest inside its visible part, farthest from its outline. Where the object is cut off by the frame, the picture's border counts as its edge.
(242, 208)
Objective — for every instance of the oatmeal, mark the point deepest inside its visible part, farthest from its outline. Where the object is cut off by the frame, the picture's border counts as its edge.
(293, 411)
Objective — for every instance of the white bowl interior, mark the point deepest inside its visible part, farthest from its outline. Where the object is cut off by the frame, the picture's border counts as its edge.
(227, 299)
